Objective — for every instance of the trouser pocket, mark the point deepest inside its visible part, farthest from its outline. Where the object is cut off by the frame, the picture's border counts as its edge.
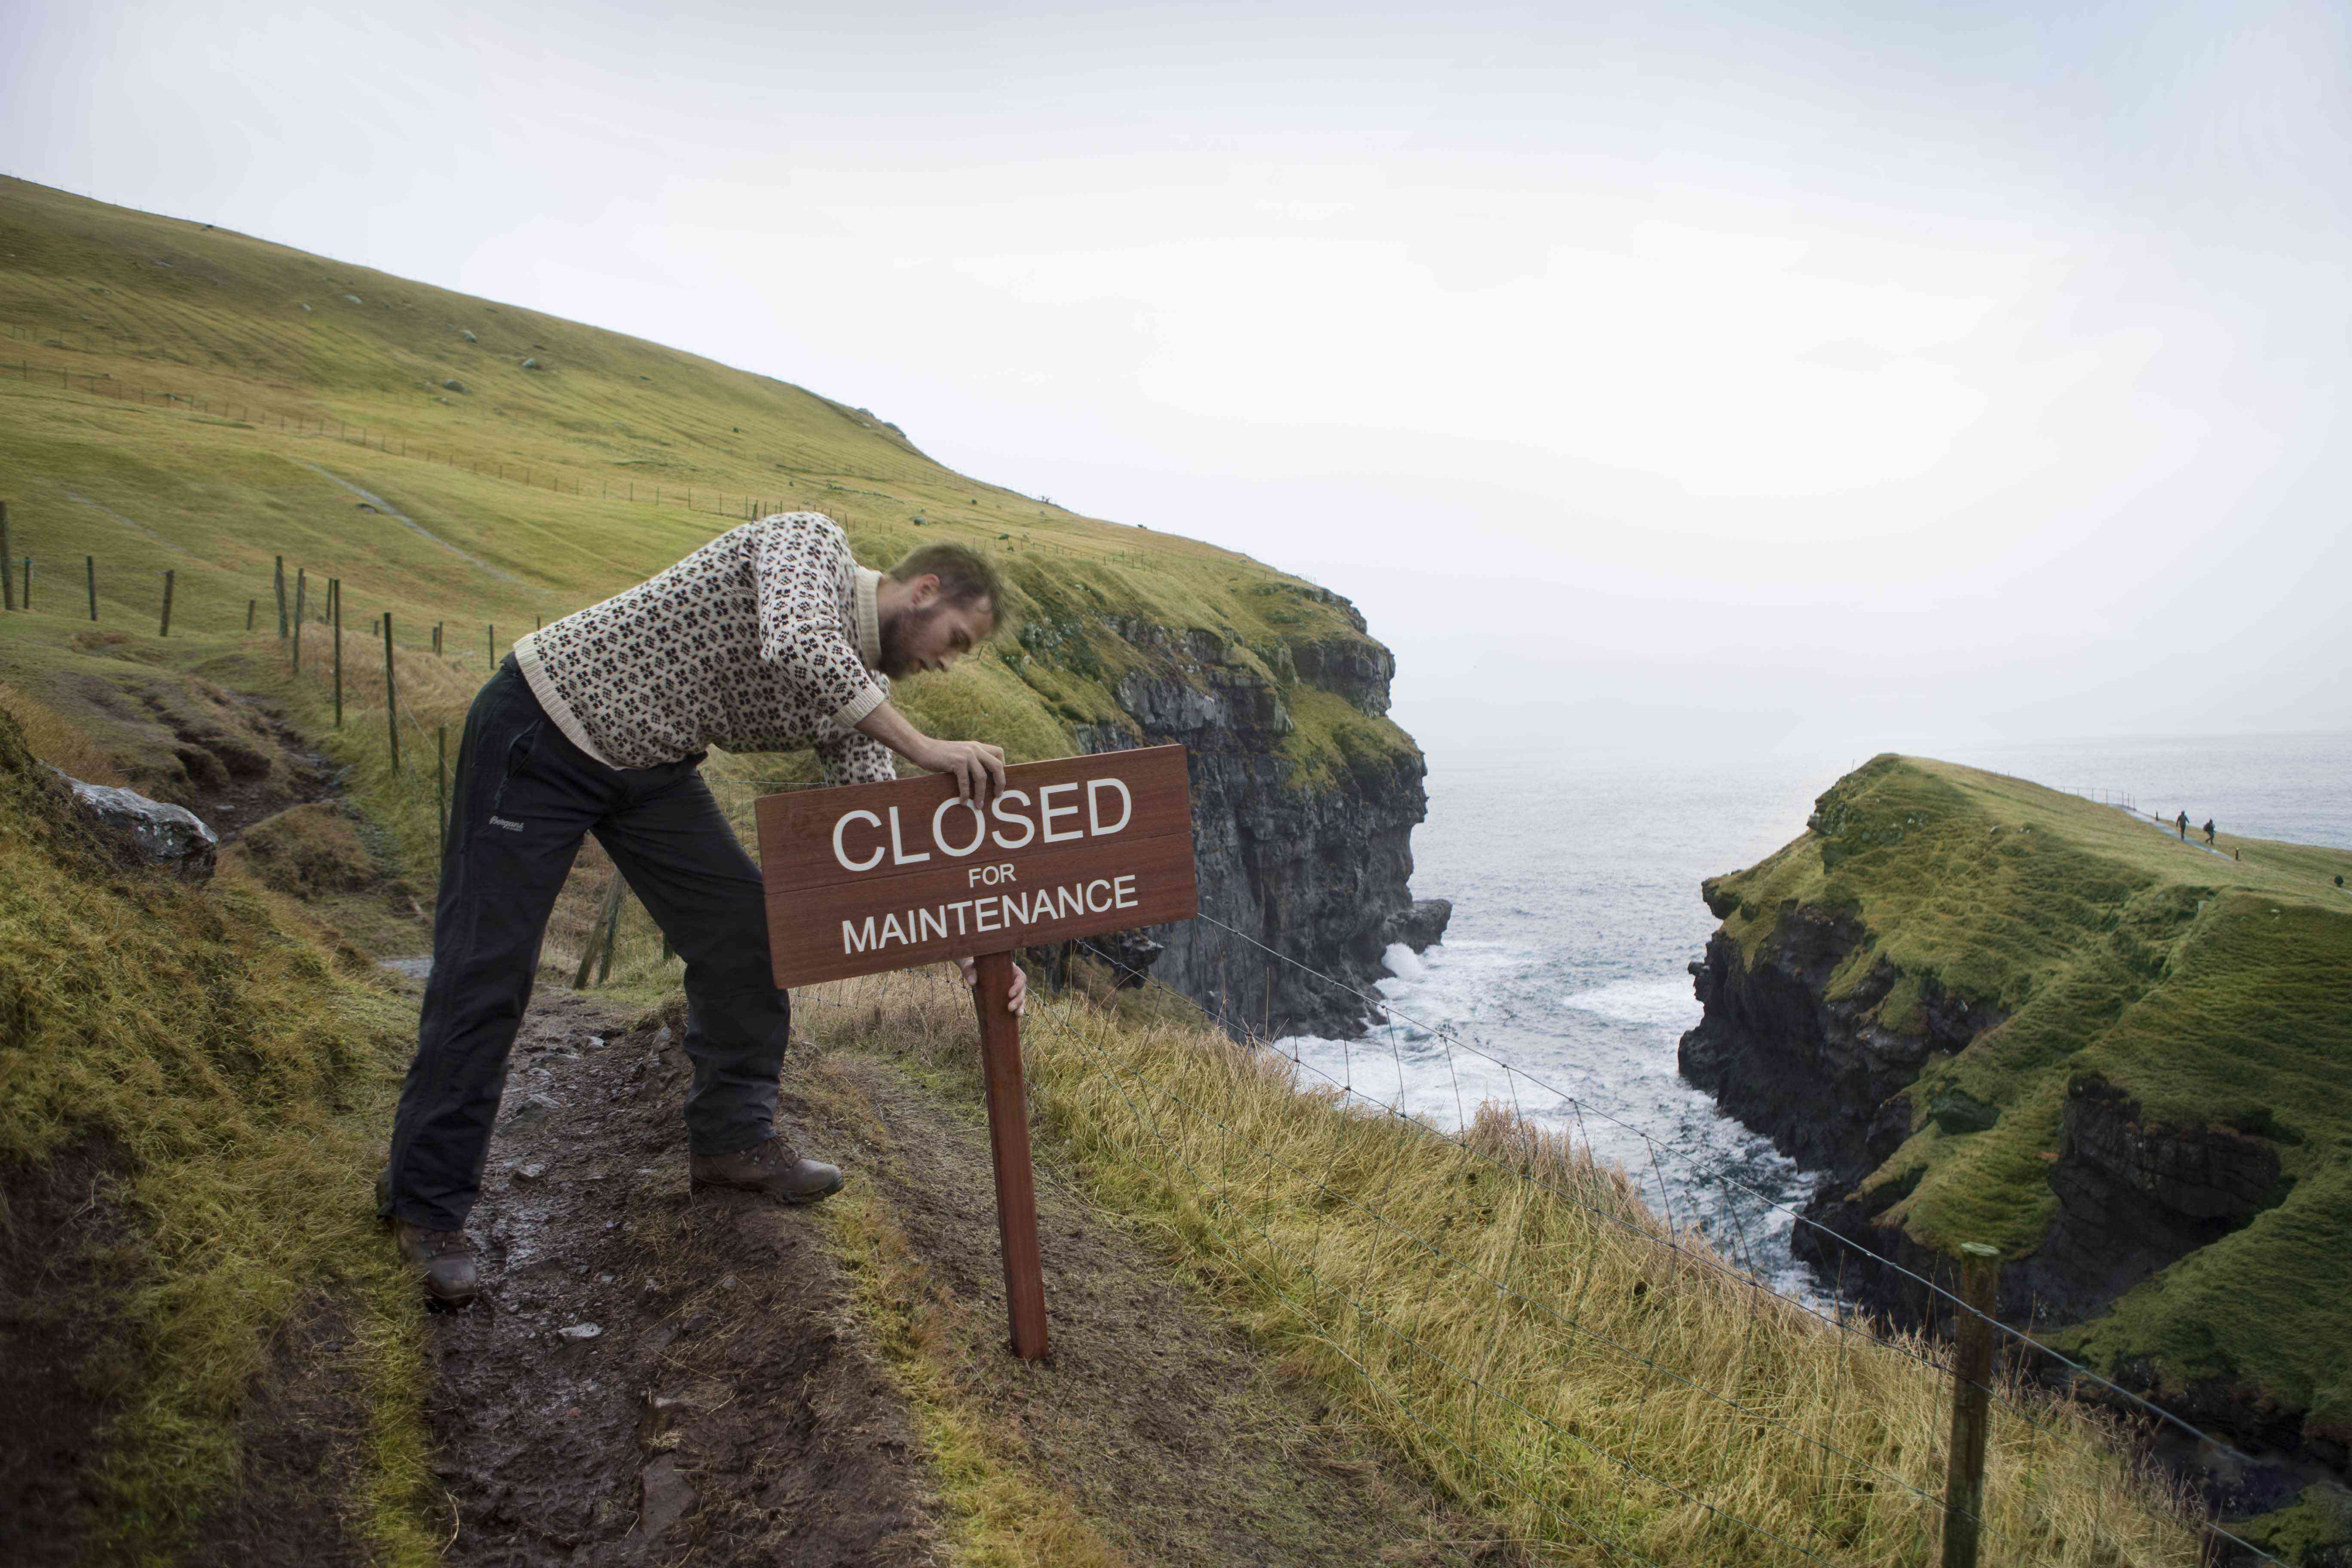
(518, 758)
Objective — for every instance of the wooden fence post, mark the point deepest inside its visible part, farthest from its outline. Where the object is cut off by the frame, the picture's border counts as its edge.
(301, 589)
(90, 566)
(166, 630)
(28, 581)
(250, 606)
(1972, 1387)
(335, 611)
(1008, 1138)
(490, 635)
(7, 574)
(595, 932)
(391, 702)
(281, 598)
(611, 934)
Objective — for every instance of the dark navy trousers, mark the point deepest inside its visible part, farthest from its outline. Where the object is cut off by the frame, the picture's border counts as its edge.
(525, 796)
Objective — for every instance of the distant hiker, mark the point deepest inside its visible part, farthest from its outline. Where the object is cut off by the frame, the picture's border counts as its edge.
(2208, 830)
(2184, 827)
(770, 638)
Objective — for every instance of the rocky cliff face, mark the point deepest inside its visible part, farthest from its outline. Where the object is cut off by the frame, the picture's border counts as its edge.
(1810, 1063)
(1823, 1078)
(1304, 849)
(1833, 1089)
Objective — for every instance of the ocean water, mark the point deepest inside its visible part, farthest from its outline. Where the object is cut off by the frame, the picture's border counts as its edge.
(1562, 985)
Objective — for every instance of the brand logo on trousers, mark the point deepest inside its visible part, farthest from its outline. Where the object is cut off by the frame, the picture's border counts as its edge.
(510, 826)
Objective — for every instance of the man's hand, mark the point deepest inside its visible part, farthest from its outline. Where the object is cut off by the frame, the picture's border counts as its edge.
(978, 768)
(1020, 1001)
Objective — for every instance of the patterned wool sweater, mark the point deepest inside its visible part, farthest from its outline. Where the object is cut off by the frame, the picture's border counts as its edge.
(765, 639)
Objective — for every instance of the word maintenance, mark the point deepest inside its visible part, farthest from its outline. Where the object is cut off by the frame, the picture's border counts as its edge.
(869, 877)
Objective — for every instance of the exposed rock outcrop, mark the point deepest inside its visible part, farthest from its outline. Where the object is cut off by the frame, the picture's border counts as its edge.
(2134, 1194)
(1829, 1085)
(1822, 1078)
(169, 836)
(1311, 862)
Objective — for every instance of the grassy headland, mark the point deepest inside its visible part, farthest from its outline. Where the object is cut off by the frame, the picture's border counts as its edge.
(2210, 993)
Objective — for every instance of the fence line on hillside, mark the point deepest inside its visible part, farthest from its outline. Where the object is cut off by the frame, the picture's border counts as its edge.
(1676, 1241)
(743, 506)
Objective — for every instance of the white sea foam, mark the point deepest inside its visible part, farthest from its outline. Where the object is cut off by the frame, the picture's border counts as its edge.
(1646, 1001)
(1404, 962)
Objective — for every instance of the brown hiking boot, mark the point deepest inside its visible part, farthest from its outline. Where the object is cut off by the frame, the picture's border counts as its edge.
(445, 1259)
(771, 1168)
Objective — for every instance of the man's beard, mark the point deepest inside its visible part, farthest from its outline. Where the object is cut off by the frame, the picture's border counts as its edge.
(899, 634)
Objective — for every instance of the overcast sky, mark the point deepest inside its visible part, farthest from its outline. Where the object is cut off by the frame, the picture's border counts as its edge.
(1821, 376)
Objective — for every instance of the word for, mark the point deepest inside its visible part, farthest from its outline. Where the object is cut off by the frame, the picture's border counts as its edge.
(1005, 913)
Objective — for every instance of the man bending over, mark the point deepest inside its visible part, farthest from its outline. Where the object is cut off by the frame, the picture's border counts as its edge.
(769, 638)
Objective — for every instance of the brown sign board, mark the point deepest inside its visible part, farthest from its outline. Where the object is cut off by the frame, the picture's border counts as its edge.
(867, 877)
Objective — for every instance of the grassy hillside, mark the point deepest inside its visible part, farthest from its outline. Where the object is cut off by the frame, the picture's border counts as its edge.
(2214, 990)
(178, 398)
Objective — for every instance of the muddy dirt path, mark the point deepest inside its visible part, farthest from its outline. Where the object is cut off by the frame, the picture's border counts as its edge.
(656, 1378)
(647, 1376)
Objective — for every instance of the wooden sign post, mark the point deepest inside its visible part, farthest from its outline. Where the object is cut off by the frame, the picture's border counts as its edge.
(869, 877)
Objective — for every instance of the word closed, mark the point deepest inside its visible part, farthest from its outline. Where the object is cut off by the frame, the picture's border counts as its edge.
(874, 876)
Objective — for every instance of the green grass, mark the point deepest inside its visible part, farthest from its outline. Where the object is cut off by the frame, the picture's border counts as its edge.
(147, 486)
(239, 1077)
(2216, 991)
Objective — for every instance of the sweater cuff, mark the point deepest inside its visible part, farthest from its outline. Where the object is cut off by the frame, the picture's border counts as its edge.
(858, 707)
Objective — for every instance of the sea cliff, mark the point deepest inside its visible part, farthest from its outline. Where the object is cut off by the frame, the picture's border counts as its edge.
(1305, 796)
(1991, 1012)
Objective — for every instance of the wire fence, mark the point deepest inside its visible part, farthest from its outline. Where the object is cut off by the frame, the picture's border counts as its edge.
(1870, 1489)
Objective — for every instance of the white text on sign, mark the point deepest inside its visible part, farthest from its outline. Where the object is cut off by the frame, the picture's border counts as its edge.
(1009, 913)
(863, 841)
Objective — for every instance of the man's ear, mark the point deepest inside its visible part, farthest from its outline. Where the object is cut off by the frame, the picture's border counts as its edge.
(923, 591)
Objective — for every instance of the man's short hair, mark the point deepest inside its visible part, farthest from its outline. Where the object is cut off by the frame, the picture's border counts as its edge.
(965, 576)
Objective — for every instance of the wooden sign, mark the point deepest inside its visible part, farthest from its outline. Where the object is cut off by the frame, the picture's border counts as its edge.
(867, 877)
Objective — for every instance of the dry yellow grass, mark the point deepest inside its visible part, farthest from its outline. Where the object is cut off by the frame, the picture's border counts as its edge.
(59, 742)
(1510, 1314)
